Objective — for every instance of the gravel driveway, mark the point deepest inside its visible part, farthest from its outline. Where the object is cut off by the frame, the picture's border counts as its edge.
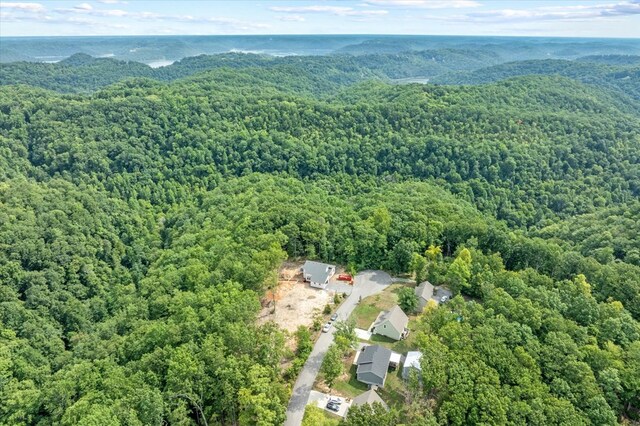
(366, 283)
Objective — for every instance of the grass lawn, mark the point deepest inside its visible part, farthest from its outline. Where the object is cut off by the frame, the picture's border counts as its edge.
(327, 418)
(365, 315)
(392, 393)
(382, 340)
(394, 387)
(351, 387)
(408, 344)
(368, 309)
(400, 346)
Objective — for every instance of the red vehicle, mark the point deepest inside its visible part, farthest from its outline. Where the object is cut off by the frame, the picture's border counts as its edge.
(345, 277)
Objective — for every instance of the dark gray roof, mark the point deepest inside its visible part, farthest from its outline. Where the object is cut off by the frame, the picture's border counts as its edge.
(368, 397)
(396, 317)
(425, 290)
(374, 359)
(318, 272)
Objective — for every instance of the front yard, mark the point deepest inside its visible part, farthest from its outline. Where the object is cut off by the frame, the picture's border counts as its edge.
(369, 308)
(349, 387)
(367, 311)
(364, 314)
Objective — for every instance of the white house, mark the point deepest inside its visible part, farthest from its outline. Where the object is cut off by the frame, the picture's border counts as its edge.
(317, 274)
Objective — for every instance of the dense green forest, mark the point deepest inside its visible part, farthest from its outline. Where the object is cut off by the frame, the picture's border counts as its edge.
(617, 73)
(141, 222)
(81, 72)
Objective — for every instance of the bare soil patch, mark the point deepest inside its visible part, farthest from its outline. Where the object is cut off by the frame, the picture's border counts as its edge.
(293, 302)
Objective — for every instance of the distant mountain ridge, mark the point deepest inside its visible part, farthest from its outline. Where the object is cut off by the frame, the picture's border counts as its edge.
(326, 74)
(83, 73)
(151, 49)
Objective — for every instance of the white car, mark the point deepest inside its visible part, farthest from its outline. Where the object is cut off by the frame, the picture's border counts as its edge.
(326, 327)
(444, 299)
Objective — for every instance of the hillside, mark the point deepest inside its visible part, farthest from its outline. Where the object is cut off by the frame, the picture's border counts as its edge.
(144, 215)
(525, 150)
(620, 75)
(83, 73)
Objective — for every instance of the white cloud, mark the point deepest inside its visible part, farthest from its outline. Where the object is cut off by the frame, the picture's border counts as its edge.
(87, 9)
(235, 24)
(333, 10)
(85, 14)
(291, 18)
(112, 12)
(27, 7)
(112, 2)
(83, 6)
(426, 4)
(149, 15)
(553, 13)
(230, 23)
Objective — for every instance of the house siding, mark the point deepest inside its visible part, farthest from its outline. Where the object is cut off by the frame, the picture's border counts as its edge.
(386, 329)
(421, 304)
(318, 285)
(370, 379)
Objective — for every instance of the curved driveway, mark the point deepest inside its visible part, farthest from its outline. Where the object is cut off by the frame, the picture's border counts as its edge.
(365, 284)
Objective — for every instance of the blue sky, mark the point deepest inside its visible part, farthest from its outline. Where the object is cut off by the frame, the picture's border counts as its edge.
(600, 18)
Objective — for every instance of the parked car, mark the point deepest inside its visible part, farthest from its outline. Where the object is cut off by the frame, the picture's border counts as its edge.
(444, 299)
(326, 327)
(333, 407)
(336, 401)
(334, 317)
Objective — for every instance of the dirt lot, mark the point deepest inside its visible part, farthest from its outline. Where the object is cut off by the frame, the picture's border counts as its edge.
(293, 302)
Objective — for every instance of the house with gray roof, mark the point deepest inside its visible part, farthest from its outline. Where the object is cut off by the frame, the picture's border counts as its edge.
(317, 274)
(369, 397)
(424, 293)
(373, 363)
(392, 323)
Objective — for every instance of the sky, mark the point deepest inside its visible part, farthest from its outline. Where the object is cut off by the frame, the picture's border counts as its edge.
(599, 18)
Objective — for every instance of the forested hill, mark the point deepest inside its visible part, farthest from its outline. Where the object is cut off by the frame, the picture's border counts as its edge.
(327, 74)
(621, 74)
(142, 221)
(526, 150)
(82, 73)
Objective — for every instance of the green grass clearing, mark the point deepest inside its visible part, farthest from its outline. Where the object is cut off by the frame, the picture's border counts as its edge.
(394, 390)
(364, 315)
(317, 416)
(350, 387)
(368, 309)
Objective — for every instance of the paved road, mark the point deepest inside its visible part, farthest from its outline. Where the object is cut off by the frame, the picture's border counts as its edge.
(365, 284)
